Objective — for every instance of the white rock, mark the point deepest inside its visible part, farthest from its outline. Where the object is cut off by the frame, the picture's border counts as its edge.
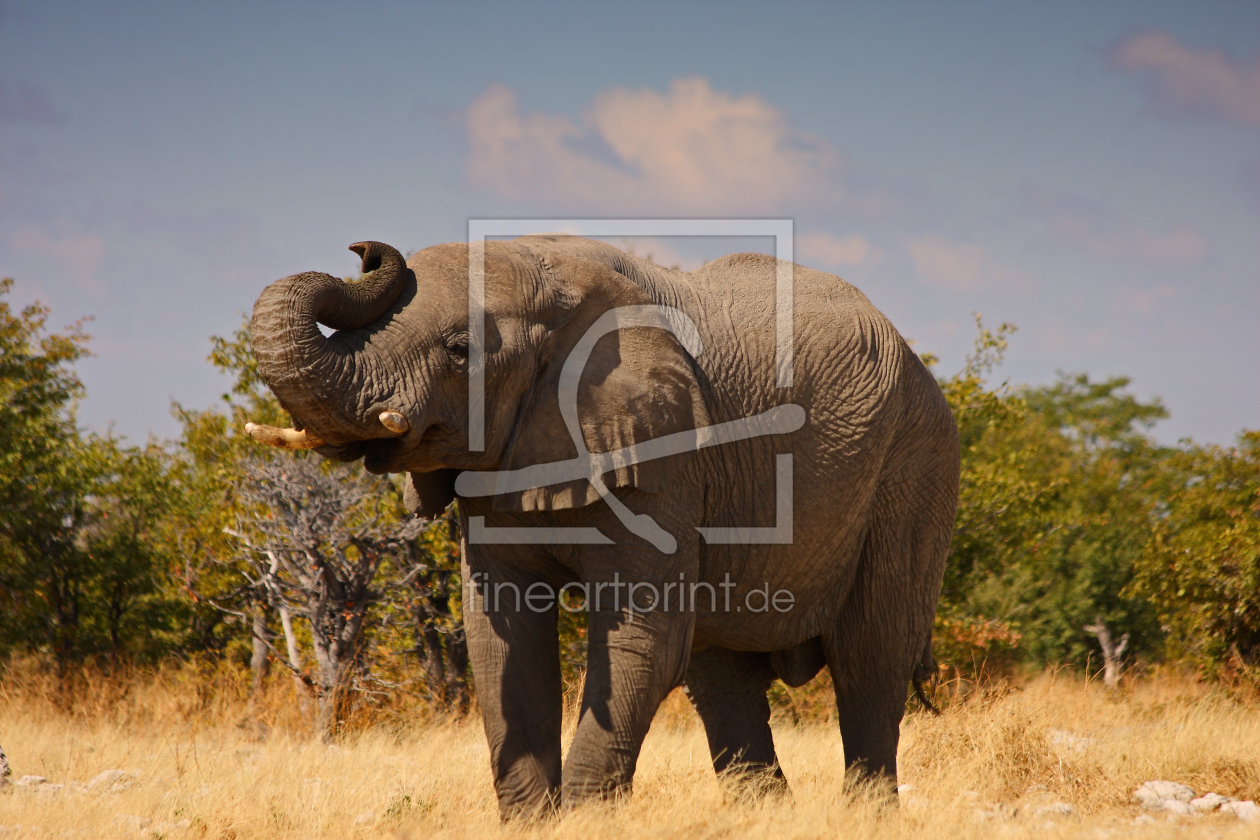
(1062, 809)
(993, 812)
(165, 829)
(111, 781)
(1070, 740)
(1143, 819)
(1153, 794)
(365, 817)
(904, 788)
(1247, 811)
(134, 823)
(1209, 802)
(1181, 809)
(30, 781)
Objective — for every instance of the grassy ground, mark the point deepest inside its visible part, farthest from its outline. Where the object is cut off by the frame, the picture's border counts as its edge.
(986, 767)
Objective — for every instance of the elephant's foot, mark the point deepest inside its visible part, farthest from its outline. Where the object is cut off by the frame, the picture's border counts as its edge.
(540, 806)
(582, 788)
(880, 784)
(744, 780)
(728, 689)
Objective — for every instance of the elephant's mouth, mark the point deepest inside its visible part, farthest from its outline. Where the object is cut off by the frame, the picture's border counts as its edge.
(386, 455)
(394, 455)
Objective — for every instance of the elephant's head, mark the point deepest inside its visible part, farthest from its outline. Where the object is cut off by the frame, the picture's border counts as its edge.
(391, 385)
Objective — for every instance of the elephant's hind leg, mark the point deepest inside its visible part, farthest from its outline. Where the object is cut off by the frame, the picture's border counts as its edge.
(728, 689)
(885, 625)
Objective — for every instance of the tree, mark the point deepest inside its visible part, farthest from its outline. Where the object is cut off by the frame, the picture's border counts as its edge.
(207, 470)
(77, 511)
(1053, 513)
(430, 579)
(40, 488)
(314, 538)
(1201, 565)
(419, 585)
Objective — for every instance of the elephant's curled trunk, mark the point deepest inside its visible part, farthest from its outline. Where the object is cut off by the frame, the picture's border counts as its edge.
(314, 377)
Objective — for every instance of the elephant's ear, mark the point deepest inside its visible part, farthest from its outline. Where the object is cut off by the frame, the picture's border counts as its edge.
(428, 494)
(638, 383)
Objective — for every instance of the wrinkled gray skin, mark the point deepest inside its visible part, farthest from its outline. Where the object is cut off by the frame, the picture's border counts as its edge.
(875, 486)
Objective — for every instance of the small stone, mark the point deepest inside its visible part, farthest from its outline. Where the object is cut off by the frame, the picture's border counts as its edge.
(1143, 819)
(110, 781)
(1209, 802)
(1153, 794)
(136, 824)
(993, 812)
(1070, 740)
(904, 789)
(1247, 810)
(1061, 809)
(31, 781)
(365, 817)
(1181, 809)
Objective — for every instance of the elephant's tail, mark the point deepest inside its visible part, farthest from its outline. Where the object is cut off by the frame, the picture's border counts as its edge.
(925, 672)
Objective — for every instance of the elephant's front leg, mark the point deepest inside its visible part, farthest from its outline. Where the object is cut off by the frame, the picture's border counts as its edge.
(634, 660)
(516, 665)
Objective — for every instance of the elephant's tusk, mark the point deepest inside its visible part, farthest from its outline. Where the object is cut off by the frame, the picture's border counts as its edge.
(395, 422)
(282, 438)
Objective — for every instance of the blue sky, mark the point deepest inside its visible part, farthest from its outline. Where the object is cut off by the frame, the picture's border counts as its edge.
(1090, 172)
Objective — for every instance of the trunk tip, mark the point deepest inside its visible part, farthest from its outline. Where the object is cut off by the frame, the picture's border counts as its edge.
(374, 254)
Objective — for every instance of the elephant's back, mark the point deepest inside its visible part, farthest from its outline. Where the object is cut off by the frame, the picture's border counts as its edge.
(846, 357)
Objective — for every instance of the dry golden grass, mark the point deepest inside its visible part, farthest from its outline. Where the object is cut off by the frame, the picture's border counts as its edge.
(981, 769)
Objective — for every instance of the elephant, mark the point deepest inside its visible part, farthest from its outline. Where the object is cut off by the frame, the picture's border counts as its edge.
(801, 516)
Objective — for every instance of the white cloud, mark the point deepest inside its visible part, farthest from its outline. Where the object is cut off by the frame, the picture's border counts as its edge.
(1182, 244)
(1059, 340)
(79, 255)
(691, 149)
(656, 250)
(961, 266)
(1105, 233)
(1185, 82)
(1142, 300)
(22, 102)
(829, 251)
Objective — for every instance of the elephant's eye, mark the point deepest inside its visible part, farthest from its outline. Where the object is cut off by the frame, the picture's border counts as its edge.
(457, 344)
